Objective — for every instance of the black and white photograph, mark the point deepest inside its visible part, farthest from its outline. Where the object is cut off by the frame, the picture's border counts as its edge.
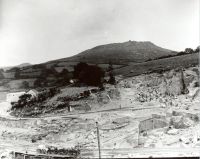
(99, 79)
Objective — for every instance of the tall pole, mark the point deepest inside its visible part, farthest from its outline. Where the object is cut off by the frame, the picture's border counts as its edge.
(138, 135)
(98, 138)
(153, 123)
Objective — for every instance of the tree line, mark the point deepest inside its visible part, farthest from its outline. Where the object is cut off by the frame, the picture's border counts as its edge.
(185, 52)
(85, 74)
(28, 100)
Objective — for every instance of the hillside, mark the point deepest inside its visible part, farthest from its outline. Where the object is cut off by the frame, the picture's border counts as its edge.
(121, 53)
(129, 59)
(20, 66)
(159, 65)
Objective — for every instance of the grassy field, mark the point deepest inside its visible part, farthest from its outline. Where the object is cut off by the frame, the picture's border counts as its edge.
(128, 70)
(160, 64)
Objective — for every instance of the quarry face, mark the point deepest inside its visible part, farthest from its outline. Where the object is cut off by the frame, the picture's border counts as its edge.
(154, 111)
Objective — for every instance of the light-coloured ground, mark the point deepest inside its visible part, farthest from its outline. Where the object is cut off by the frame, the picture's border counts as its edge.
(119, 111)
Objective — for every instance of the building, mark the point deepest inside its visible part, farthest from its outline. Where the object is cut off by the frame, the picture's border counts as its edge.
(14, 97)
(33, 93)
(72, 81)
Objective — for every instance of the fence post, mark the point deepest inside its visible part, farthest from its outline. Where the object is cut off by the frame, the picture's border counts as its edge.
(138, 135)
(153, 123)
(98, 138)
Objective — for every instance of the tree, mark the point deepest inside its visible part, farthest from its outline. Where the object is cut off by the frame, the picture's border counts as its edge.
(13, 69)
(40, 82)
(92, 75)
(110, 67)
(52, 71)
(46, 72)
(25, 97)
(88, 74)
(189, 51)
(63, 77)
(181, 53)
(16, 70)
(111, 79)
(25, 84)
(111, 76)
(23, 100)
(184, 87)
(197, 49)
(1, 74)
(64, 74)
(79, 68)
(37, 83)
(39, 66)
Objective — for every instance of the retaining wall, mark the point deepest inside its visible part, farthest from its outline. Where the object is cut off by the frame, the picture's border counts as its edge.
(151, 123)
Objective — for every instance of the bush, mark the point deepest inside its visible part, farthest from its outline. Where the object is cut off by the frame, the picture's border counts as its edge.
(196, 84)
(23, 101)
(39, 66)
(196, 118)
(112, 79)
(27, 100)
(73, 152)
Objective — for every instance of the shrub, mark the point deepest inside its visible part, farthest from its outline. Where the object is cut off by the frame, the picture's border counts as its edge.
(196, 70)
(196, 84)
(196, 118)
(23, 101)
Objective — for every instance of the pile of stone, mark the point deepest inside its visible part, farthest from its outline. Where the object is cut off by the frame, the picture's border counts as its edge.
(72, 152)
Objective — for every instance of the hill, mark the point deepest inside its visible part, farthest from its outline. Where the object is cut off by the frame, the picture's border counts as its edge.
(129, 59)
(121, 53)
(19, 66)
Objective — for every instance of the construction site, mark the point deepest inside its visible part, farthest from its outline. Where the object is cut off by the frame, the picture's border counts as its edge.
(143, 115)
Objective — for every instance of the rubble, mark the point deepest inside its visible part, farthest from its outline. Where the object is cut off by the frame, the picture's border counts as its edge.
(181, 122)
(173, 131)
(6, 155)
(71, 152)
(142, 111)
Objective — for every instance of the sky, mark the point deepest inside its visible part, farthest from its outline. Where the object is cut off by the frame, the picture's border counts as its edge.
(37, 31)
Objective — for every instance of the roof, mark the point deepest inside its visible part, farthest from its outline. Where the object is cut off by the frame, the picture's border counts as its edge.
(16, 92)
(34, 90)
